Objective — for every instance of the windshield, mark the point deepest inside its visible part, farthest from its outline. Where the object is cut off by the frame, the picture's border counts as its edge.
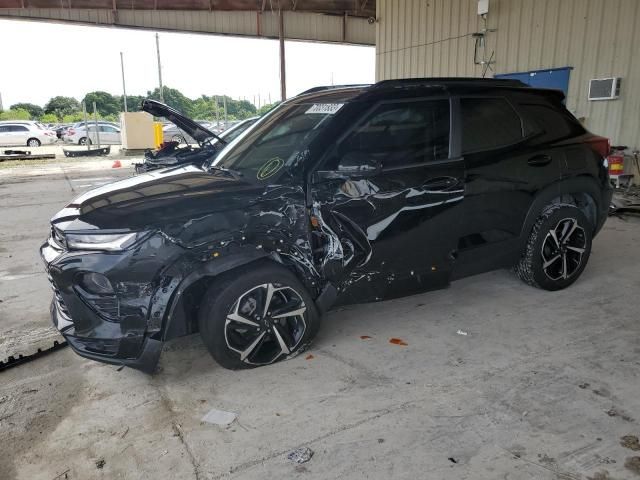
(278, 142)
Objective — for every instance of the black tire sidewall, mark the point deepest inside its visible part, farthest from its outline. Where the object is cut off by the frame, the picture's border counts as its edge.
(548, 222)
(224, 292)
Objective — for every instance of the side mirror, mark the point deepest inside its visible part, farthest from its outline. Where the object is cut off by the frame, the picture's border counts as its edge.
(352, 165)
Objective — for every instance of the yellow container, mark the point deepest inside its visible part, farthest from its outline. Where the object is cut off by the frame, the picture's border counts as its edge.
(157, 134)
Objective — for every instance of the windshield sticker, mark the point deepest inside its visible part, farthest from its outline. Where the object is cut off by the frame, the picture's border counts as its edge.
(270, 168)
(325, 108)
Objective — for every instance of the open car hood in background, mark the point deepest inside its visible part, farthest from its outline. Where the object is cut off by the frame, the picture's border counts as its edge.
(190, 127)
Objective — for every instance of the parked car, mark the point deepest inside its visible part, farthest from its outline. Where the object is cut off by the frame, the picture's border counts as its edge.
(61, 129)
(108, 132)
(337, 196)
(172, 133)
(29, 134)
(171, 154)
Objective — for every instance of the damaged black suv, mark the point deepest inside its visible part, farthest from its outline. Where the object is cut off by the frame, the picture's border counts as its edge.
(340, 195)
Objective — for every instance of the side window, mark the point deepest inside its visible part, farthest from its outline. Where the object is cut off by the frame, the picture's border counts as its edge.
(401, 134)
(4, 128)
(553, 123)
(488, 123)
(18, 128)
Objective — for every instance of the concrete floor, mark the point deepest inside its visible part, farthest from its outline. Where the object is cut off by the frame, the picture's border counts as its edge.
(544, 386)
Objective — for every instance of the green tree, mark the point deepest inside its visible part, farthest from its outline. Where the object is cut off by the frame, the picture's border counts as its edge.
(17, 114)
(72, 117)
(267, 108)
(35, 111)
(106, 104)
(133, 102)
(61, 106)
(204, 108)
(49, 118)
(174, 98)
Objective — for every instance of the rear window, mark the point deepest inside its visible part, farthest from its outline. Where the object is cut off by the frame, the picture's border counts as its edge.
(551, 123)
(489, 123)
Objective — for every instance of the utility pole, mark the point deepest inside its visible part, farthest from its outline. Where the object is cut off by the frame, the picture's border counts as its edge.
(224, 99)
(217, 113)
(159, 68)
(1, 108)
(283, 79)
(124, 88)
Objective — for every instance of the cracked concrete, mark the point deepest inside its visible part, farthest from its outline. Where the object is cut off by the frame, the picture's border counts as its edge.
(527, 394)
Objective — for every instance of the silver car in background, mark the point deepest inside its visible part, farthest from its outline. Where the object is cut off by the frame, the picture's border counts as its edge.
(109, 134)
(171, 133)
(25, 133)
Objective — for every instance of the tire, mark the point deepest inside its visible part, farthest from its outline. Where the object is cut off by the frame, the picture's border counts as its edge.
(33, 142)
(233, 325)
(84, 141)
(558, 248)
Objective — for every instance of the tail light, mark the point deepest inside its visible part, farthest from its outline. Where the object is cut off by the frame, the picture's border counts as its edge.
(601, 145)
(71, 131)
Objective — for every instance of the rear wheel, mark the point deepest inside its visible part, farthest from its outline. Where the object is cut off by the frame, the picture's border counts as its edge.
(33, 142)
(257, 316)
(84, 141)
(558, 248)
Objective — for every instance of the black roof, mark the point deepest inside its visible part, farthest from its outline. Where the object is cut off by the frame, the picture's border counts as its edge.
(398, 86)
(449, 81)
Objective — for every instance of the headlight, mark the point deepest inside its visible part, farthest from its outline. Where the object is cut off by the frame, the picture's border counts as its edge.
(102, 241)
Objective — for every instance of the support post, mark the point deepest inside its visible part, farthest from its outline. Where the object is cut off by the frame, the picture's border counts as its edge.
(124, 88)
(283, 74)
(159, 68)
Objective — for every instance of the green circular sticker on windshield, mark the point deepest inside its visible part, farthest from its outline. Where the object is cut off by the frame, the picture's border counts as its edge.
(270, 168)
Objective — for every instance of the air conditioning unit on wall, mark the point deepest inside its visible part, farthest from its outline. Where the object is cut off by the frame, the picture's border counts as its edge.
(604, 88)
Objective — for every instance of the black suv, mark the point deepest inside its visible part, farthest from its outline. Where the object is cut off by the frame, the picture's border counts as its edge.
(340, 195)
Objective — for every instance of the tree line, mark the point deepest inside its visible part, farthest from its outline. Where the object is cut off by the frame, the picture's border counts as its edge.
(62, 109)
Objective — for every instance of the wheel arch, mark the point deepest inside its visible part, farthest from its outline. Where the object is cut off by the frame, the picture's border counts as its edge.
(181, 318)
(583, 192)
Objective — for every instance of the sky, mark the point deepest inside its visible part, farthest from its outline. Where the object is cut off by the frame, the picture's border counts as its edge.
(55, 59)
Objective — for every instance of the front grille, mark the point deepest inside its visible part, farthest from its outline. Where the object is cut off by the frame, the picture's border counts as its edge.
(61, 307)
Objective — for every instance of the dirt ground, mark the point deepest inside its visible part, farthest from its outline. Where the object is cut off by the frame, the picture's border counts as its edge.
(543, 385)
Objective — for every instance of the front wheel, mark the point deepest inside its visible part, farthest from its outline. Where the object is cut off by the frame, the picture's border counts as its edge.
(257, 316)
(558, 248)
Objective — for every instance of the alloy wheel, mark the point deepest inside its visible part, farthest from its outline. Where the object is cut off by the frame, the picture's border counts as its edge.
(562, 249)
(33, 143)
(265, 323)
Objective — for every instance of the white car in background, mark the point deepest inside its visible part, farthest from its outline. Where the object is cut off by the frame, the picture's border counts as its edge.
(21, 133)
(109, 134)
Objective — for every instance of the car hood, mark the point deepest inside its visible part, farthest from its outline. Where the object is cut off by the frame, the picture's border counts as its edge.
(158, 200)
(189, 126)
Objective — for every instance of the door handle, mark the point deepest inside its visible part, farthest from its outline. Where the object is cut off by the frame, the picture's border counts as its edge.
(440, 184)
(539, 160)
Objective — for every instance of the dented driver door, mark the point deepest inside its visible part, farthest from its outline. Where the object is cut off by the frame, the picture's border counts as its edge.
(385, 203)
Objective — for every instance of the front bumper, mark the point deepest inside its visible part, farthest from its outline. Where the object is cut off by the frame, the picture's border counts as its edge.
(107, 350)
(123, 328)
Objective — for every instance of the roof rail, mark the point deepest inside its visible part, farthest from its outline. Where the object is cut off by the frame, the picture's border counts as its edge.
(445, 81)
(331, 87)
